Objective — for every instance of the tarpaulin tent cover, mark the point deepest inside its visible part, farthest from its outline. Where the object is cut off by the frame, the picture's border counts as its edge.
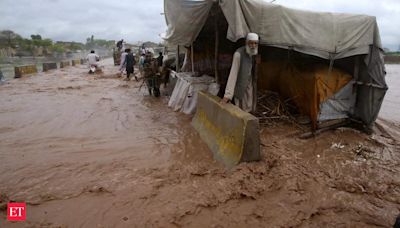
(276, 25)
(317, 85)
(329, 36)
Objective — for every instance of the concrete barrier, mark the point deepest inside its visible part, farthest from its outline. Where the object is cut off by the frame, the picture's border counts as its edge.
(76, 62)
(230, 133)
(49, 66)
(24, 70)
(64, 64)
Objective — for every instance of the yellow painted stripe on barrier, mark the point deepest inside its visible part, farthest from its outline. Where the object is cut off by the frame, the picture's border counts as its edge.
(230, 144)
(24, 70)
(64, 64)
(230, 133)
(76, 62)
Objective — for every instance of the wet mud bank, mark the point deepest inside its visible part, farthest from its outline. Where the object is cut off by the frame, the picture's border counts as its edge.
(93, 151)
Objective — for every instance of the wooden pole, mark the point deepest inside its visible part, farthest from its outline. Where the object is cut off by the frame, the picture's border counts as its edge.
(192, 58)
(177, 59)
(256, 63)
(216, 49)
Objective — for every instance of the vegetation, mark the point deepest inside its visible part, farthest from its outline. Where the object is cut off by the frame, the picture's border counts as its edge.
(92, 43)
(393, 53)
(39, 46)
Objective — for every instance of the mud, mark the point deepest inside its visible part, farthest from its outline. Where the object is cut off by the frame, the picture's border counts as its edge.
(93, 151)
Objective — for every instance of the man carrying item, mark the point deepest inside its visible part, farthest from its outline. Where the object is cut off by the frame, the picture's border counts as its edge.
(92, 58)
(150, 74)
(130, 63)
(240, 87)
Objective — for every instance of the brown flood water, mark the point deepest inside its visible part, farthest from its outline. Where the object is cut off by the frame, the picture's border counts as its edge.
(93, 151)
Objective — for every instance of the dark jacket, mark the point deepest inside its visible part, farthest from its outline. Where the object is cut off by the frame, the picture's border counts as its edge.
(160, 60)
(130, 62)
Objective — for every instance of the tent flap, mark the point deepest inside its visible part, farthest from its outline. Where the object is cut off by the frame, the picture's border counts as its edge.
(185, 19)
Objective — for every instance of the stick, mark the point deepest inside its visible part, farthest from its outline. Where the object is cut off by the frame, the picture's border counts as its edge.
(140, 87)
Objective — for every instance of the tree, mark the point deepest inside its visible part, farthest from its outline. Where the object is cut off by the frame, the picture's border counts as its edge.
(9, 39)
(36, 37)
(46, 43)
(58, 48)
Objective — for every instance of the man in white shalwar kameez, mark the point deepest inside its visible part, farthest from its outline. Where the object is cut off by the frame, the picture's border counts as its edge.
(240, 81)
(122, 64)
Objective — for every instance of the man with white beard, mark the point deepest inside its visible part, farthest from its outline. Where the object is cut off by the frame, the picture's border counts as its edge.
(240, 81)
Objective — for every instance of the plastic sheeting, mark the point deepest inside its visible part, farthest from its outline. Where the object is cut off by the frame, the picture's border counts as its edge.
(311, 86)
(276, 25)
(185, 19)
(184, 96)
(339, 106)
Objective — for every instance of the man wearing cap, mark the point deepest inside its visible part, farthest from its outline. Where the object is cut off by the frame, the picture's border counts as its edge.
(240, 81)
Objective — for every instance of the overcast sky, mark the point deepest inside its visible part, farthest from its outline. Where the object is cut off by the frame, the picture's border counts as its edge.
(140, 20)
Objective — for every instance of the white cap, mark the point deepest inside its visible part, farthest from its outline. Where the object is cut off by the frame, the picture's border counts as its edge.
(252, 36)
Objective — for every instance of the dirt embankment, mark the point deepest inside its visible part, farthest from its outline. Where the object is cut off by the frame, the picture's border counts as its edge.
(93, 151)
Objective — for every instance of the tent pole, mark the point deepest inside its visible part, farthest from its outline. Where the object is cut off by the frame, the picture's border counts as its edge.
(356, 72)
(216, 49)
(177, 60)
(191, 54)
(256, 63)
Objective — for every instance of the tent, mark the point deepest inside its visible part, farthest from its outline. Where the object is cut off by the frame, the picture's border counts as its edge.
(331, 64)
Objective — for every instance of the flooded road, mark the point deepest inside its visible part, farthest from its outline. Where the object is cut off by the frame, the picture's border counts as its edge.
(94, 151)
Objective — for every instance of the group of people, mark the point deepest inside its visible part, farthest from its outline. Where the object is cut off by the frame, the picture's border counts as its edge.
(240, 85)
(150, 68)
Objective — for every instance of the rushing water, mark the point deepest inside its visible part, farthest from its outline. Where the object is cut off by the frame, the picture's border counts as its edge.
(7, 64)
(390, 109)
(96, 151)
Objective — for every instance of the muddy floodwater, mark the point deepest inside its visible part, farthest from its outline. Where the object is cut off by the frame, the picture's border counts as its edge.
(95, 151)
(391, 106)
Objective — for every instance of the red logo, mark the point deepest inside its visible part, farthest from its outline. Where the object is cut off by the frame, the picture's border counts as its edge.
(16, 211)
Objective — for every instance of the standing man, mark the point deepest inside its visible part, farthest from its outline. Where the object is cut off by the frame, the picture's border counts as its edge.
(150, 74)
(160, 64)
(141, 64)
(160, 59)
(122, 64)
(130, 63)
(120, 44)
(240, 88)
